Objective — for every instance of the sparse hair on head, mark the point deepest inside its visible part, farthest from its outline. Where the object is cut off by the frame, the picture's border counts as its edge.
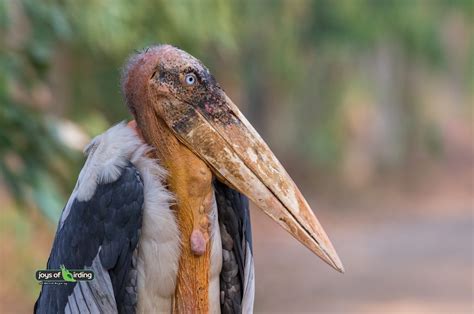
(130, 64)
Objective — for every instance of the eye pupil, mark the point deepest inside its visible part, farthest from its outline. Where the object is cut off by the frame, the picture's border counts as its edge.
(190, 79)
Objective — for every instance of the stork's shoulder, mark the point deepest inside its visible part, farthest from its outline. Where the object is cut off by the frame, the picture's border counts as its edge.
(107, 154)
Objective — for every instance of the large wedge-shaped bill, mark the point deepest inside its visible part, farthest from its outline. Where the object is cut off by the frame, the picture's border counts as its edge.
(236, 153)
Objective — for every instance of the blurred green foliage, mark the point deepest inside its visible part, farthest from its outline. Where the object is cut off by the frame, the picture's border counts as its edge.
(292, 63)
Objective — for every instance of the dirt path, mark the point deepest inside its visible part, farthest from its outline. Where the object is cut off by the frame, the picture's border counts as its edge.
(420, 264)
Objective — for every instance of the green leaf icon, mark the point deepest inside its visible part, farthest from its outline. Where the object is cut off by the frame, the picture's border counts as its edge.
(67, 276)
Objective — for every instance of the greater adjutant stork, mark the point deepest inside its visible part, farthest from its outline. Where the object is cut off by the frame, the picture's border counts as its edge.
(159, 212)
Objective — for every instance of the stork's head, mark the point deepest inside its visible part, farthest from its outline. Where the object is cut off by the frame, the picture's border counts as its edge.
(168, 74)
(178, 89)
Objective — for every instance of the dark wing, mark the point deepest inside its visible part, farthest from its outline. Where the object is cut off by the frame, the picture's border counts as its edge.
(100, 234)
(237, 275)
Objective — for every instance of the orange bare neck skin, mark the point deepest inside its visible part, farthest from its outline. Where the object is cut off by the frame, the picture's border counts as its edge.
(190, 180)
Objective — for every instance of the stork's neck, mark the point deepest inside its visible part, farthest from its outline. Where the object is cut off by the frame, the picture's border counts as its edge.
(190, 179)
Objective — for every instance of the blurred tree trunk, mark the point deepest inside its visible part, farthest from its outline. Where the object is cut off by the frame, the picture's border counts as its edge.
(412, 119)
(254, 88)
(388, 123)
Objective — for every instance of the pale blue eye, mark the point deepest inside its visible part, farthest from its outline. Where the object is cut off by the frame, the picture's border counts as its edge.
(190, 79)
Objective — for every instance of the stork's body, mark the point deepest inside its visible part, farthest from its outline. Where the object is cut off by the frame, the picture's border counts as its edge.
(154, 212)
(137, 258)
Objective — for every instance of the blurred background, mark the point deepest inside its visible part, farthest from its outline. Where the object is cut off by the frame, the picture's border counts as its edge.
(368, 104)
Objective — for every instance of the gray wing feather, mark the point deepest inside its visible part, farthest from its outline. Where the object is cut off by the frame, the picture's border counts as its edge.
(249, 282)
(237, 275)
(100, 234)
(99, 294)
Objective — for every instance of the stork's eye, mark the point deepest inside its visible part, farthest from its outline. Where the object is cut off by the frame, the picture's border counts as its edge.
(190, 79)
